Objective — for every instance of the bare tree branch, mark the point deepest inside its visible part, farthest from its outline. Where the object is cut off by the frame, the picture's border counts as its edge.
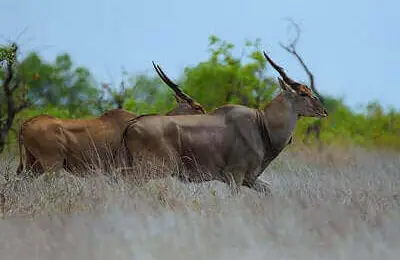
(314, 127)
(291, 48)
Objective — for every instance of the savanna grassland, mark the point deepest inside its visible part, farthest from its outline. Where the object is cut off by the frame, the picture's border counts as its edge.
(329, 204)
(333, 203)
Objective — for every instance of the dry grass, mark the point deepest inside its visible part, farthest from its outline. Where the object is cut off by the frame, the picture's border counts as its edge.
(323, 207)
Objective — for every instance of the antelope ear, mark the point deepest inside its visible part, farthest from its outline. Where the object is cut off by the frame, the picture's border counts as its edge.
(285, 86)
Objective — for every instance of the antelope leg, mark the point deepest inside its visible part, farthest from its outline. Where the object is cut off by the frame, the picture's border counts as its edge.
(234, 180)
(259, 185)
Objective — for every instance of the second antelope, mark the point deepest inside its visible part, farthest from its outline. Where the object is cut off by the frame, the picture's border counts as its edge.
(233, 143)
(77, 145)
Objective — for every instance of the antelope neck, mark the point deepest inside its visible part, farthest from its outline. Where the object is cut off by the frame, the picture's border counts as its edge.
(280, 120)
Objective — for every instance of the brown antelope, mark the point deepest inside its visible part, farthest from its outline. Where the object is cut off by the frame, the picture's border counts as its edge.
(52, 143)
(233, 143)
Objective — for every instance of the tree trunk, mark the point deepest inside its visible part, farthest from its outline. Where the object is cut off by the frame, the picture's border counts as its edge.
(3, 139)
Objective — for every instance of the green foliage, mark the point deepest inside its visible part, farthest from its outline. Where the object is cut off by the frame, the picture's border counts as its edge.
(50, 110)
(8, 55)
(58, 84)
(224, 78)
(148, 95)
(371, 129)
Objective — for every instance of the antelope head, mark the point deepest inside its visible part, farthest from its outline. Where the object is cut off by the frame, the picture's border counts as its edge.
(298, 95)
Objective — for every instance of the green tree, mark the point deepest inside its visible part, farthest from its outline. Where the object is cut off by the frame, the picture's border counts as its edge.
(59, 84)
(224, 78)
(12, 93)
(149, 95)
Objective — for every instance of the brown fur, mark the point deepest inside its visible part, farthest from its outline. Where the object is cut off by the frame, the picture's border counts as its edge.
(52, 143)
(233, 144)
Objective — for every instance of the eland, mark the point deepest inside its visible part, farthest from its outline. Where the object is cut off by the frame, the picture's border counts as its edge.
(233, 144)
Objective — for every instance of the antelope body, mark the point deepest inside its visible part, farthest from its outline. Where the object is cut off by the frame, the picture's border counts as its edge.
(233, 143)
(52, 143)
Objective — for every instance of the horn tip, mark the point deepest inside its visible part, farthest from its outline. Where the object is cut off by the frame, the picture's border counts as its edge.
(154, 65)
(266, 56)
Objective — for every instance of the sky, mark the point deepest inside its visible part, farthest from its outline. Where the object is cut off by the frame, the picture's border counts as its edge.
(352, 47)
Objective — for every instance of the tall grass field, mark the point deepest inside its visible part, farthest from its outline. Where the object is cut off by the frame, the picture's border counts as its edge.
(328, 204)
